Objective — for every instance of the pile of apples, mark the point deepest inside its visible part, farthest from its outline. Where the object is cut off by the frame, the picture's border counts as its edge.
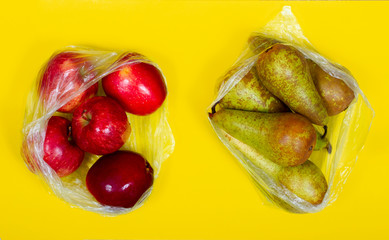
(273, 115)
(99, 124)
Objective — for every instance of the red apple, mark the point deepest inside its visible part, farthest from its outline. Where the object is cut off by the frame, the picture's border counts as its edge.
(100, 126)
(65, 73)
(139, 87)
(120, 179)
(60, 152)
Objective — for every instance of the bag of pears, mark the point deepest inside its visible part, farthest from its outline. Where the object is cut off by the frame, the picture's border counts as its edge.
(295, 120)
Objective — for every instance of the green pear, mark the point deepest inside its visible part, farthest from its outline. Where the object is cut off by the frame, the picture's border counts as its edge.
(336, 95)
(249, 94)
(284, 138)
(305, 180)
(284, 71)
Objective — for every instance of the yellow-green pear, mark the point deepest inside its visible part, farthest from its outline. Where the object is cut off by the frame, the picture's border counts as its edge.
(284, 71)
(249, 94)
(287, 138)
(305, 180)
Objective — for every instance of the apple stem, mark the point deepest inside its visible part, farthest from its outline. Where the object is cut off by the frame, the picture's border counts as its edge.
(85, 116)
(70, 133)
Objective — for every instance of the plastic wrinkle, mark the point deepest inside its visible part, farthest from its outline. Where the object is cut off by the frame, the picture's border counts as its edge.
(151, 135)
(347, 130)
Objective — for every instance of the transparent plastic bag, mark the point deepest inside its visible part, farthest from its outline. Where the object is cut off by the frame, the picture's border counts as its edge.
(150, 136)
(347, 131)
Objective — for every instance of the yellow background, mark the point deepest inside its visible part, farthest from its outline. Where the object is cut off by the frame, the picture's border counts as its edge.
(202, 192)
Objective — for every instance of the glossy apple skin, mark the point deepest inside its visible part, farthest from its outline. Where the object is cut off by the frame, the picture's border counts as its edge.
(65, 73)
(139, 87)
(120, 179)
(100, 126)
(60, 152)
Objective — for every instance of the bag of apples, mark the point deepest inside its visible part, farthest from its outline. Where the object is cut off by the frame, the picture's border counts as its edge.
(295, 120)
(96, 128)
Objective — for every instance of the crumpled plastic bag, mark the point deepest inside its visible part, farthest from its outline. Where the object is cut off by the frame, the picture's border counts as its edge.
(151, 135)
(347, 130)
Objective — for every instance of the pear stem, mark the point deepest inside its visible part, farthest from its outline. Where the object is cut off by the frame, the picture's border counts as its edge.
(329, 148)
(325, 131)
(214, 108)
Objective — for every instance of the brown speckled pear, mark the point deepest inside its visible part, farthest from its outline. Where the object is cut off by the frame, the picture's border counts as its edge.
(284, 71)
(336, 95)
(249, 94)
(284, 138)
(305, 180)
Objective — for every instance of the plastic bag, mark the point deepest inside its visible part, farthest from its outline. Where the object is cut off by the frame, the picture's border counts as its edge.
(347, 130)
(150, 136)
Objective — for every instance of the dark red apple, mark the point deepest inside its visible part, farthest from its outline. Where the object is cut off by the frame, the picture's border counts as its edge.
(120, 179)
(60, 152)
(139, 87)
(100, 126)
(65, 73)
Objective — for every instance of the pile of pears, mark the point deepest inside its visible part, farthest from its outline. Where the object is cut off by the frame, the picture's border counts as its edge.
(272, 115)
